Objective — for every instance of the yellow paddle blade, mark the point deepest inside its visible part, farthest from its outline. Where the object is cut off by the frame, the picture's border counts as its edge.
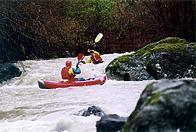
(98, 38)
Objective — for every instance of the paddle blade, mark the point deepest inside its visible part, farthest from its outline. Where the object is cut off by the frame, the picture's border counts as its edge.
(80, 56)
(98, 38)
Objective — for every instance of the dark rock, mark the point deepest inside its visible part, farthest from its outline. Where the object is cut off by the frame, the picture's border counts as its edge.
(169, 58)
(110, 123)
(128, 67)
(93, 110)
(171, 65)
(166, 105)
(8, 71)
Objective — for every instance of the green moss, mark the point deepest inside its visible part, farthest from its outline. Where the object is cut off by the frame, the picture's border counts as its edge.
(115, 64)
(167, 47)
(173, 40)
(112, 67)
(155, 98)
(150, 85)
(143, 51)
(161, 47)
(170, 44)
(124, 58)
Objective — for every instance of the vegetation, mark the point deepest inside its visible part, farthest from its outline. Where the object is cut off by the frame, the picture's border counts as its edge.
(170, 44)
(59, 28)
(116, 63)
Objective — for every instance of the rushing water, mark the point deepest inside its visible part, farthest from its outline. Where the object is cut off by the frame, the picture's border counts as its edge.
(24, 107)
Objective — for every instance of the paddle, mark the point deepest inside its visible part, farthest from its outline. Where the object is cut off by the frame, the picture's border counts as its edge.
(98, 38)
(80, 57)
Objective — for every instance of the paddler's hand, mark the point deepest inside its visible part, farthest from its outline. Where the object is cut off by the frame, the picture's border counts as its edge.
(82, 62)
(77, 65)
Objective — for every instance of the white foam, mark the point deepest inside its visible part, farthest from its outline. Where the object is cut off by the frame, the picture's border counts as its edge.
(26, 108)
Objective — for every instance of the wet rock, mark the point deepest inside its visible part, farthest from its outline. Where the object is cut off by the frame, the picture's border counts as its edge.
(8, 71)
(169, 58)
(166, 105)
(128, 67)
(110, 123)
(93, 110)
(172, 65)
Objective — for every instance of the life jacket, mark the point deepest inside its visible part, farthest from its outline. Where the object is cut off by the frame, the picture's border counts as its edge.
(67, 73)
(96, 57)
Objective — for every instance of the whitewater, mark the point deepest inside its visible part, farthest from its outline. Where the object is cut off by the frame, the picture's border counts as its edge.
(24, 107)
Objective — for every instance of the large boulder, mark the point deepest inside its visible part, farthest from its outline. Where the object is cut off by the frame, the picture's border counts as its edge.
(8, 71)
(165, 106)
(110, 123)
(168, 58)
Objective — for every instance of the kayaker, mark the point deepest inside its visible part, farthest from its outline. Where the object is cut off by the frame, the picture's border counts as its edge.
(94, 58)
(69, 73)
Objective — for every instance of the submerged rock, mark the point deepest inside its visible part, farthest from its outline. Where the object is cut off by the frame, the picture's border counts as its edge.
(93, 110)
(107, 123)
(166, 105)
(168, 58)
(8, 71)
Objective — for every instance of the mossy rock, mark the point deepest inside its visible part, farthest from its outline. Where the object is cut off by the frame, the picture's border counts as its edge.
(173, 40)
(115, 66)
(175, 58)
(165, 106)
(127, 67)
(143, 51)
(170, 44)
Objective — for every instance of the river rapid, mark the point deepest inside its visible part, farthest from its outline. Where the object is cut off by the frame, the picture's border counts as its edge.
(24, 107)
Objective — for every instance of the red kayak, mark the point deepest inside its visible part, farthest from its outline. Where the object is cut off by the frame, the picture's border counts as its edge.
(51, 84)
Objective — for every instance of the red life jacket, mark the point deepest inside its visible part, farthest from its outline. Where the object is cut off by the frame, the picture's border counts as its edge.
(97, 57)
(65, 73)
